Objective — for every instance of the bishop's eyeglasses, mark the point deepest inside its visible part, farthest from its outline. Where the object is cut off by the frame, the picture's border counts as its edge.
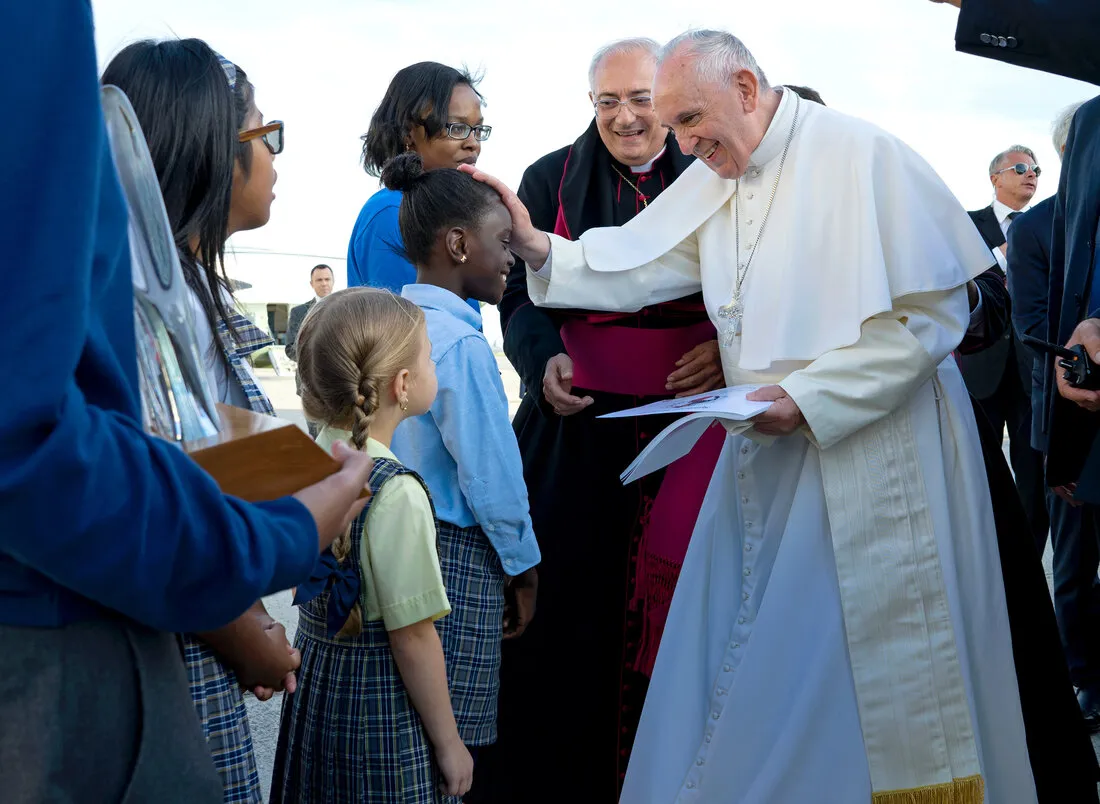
(608, 106)
(271, 134)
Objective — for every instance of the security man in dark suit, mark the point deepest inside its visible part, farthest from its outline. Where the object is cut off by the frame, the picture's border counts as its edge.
(999, 377)
(1074, 526)
(1074, 451)
(320, 279)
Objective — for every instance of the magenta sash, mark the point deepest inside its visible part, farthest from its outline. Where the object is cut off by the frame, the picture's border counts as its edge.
(628, 360)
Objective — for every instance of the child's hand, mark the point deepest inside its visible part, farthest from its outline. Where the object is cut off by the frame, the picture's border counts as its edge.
(519, 605)
(457, 767)
(277, 633)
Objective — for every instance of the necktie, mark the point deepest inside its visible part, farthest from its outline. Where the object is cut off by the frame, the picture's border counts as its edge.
(1009, 218)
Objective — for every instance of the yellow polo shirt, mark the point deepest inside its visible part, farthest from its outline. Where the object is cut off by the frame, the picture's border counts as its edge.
(398, 557)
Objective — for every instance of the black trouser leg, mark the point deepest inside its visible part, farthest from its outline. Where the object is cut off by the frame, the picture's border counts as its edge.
(1074, 537)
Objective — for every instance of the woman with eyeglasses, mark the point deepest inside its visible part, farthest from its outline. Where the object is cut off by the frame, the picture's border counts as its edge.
(214, 156)
(435, 111)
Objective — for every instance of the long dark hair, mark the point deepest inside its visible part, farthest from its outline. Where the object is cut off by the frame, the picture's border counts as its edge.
(433, 201)
(419, 95)
(191, 117)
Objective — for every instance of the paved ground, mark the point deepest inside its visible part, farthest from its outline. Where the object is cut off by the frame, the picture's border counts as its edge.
(265, 716)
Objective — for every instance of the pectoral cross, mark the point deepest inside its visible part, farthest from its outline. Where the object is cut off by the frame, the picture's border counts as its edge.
(731, 315)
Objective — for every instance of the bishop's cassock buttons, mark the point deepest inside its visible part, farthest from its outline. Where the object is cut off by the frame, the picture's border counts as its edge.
(1012, 41)
(985, 38)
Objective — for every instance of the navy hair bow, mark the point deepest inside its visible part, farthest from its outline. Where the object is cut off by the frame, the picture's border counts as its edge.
(342, 584)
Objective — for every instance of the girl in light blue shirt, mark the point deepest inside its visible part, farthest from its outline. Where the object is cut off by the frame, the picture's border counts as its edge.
(456, 232)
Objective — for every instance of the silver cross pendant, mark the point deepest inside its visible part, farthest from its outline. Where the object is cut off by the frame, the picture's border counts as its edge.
(731, 314)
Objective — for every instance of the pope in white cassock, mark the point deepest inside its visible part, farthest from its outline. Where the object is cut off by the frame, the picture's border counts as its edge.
(839, 632)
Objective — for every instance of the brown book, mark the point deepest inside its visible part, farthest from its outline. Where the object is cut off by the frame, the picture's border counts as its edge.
(258, 458)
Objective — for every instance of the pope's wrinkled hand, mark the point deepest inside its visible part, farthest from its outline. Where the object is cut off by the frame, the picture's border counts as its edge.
(527, 242)
(782, 418)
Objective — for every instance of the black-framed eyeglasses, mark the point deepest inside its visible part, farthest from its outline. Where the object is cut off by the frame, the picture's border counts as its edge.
(1023, 167)
(460, 131)
(271, 134)
(609, 107)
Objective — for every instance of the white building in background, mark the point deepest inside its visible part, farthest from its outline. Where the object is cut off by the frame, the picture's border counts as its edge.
(277, 281)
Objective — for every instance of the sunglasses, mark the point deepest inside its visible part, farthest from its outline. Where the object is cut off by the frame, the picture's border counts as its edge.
(271, 134)
(1022, 167)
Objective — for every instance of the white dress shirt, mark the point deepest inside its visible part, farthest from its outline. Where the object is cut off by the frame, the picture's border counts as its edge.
(1002, 211)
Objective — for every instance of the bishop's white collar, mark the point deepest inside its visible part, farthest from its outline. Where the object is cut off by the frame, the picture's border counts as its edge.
(771, 147)
(648, 166)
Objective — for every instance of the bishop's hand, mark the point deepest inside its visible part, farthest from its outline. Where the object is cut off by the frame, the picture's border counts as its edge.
(698, 371)
(528, 243)
(557, 387)
(782, 418)
(955, 3)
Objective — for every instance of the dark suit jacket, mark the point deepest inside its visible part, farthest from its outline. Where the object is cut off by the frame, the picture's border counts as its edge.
(1074, 456)
(1055, 36)
(995, 304)
(986, 221)
(297, 316)
(1029, 287)
(984, 370)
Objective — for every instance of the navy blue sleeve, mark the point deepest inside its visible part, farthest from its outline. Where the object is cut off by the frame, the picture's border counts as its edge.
(86, 498)
(1028, 275)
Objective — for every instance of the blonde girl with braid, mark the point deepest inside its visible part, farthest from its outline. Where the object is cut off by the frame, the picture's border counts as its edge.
(371, 720)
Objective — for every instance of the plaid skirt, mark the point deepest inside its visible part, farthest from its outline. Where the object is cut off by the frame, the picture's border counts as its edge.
(350, 733)
(472, 632)
(220, 705)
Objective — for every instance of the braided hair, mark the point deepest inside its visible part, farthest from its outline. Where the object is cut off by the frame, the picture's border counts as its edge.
(351, 346)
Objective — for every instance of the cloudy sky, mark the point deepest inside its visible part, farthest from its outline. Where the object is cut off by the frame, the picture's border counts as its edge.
(323, 65)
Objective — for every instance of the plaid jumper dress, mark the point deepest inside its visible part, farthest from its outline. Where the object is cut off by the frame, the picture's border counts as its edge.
(215, 691)
(350, 733)
(472, 633)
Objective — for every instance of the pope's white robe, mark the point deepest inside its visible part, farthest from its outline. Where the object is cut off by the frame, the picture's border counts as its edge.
(839, 628)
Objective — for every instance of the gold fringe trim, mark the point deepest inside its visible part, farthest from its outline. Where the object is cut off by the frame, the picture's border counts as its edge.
(970, 790)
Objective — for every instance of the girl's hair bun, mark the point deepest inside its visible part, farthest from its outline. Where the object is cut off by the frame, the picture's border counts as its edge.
(402, 172)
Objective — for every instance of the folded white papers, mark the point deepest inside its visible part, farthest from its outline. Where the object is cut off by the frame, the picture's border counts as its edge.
(723, 403)
(726, 405)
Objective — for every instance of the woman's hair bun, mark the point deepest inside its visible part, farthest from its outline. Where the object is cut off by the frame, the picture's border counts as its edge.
(401, 172)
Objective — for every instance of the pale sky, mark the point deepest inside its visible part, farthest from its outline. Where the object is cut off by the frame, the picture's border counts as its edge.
(323, 65)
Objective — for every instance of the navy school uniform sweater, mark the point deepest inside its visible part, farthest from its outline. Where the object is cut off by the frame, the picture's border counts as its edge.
(97, 520)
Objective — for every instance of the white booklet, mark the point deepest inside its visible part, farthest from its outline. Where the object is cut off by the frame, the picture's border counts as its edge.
(726, 405)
